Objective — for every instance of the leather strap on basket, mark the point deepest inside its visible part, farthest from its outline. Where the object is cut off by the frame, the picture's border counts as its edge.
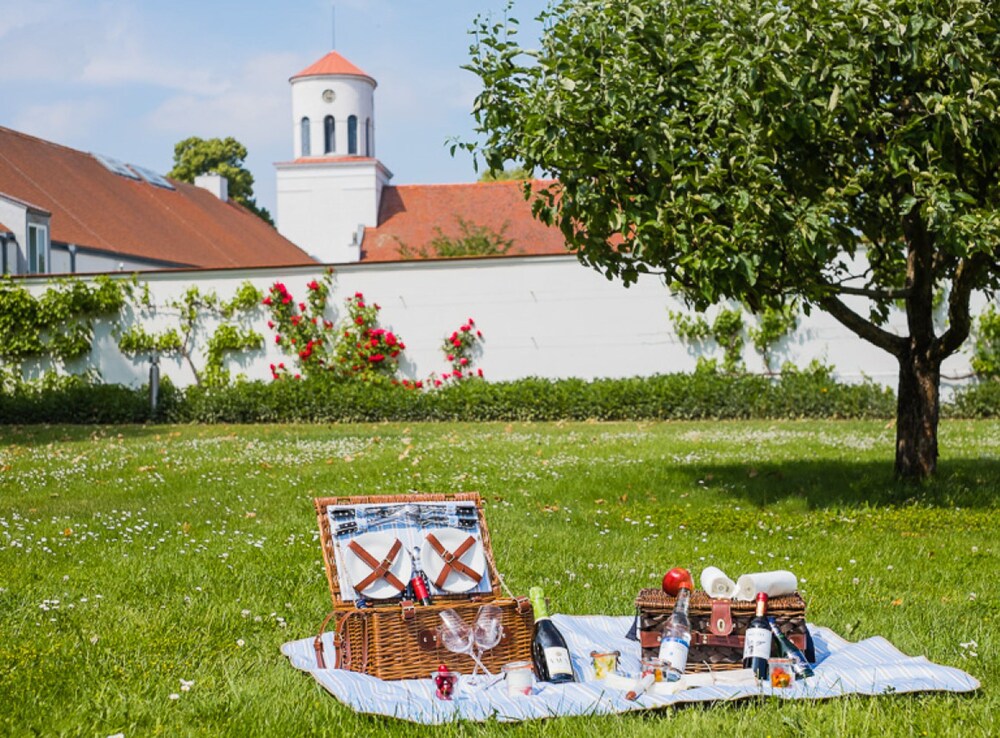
(342, 658)
(380, 569)
(451, 559)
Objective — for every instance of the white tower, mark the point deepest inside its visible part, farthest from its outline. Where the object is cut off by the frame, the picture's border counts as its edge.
(332, 187)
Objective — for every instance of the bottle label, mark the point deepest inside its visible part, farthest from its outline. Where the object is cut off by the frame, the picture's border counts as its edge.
(558, 661)
(757, 643)
(674, 653)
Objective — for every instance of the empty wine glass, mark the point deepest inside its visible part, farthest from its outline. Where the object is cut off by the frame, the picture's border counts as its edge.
(487, 631)
(458, 637)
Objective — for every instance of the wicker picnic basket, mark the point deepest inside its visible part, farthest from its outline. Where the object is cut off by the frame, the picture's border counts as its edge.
(397, 639)
(718, 626)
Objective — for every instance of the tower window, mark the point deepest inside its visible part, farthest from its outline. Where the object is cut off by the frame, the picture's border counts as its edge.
(306, 147)
(352, 135)
(329, 128)
(368, 137)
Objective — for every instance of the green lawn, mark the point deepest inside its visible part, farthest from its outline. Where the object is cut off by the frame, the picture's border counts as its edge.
(133, 558)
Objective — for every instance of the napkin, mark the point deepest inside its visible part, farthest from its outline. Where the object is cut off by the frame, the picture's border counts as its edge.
(774, 583)
(716, 584)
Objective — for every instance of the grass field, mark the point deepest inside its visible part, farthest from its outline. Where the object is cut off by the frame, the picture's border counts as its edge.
(137, 560)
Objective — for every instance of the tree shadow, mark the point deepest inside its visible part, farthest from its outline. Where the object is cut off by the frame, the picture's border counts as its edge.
(823, 483)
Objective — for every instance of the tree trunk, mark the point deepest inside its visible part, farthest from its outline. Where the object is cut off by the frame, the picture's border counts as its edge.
(917, 414)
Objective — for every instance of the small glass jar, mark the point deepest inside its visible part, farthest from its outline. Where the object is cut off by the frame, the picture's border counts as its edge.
(445, 684)
(781, 673)
(519, 677)
(655, 667)
(605, 663)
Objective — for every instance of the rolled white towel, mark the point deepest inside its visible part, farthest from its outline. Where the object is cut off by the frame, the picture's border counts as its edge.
(716, 584)
(774, 583)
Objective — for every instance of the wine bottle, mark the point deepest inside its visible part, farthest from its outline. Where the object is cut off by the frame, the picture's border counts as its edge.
(800, 664)
(549, 652)
(676, 638)
(418, 581)
(757, 642)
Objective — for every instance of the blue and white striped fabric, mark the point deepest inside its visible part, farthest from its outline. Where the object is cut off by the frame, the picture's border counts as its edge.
(873, 666)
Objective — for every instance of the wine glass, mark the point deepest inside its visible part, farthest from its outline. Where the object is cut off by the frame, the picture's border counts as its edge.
(458, 637)
(487, 630)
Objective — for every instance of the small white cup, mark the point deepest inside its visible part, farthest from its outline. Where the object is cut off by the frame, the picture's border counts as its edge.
(520, 678)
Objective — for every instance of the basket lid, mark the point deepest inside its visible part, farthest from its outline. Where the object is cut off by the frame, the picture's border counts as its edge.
(445, 535)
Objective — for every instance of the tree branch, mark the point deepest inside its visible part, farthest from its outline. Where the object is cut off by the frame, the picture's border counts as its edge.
(867, 330)
(897, 294)
(967, 276)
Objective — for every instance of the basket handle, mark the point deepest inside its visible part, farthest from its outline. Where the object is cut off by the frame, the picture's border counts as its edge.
(342, 657)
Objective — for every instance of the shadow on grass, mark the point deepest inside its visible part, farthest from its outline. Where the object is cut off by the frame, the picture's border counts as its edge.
(823, 483)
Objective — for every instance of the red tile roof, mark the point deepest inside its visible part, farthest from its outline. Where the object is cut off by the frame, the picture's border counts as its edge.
(93, 207)
(332, 64)
(411, 216)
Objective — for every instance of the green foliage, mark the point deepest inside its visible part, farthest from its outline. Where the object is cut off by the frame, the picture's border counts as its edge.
(302, 329)
(194, 310)
(756, 151)
(225, 340)
(57, 324)
(364, 350)
(977, 400)
(72, 399)
(810, 393)
(473, 240)
(726, 330)
(135, 340)
(461, 349)
(774, 323)
(194, 156)
(506, 175)
(986, 352)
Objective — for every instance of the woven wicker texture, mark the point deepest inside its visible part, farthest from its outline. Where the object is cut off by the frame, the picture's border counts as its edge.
(379, 641)
(655, 607)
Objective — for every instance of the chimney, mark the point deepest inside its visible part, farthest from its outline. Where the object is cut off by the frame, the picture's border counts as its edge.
(214, 183)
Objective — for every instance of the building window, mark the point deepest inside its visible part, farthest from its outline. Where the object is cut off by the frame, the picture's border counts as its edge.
(306, 148)
(352, 135)
(38, 248)
(368, 137)
(329, 128)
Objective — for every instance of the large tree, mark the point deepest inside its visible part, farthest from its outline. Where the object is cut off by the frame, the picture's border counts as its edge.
(845, 151)
(225, 156)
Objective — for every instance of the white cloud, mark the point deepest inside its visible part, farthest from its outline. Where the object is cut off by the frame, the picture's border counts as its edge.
(253, 105)
(67, 121)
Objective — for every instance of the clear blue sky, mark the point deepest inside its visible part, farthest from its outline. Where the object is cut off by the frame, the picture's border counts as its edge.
(130, 78)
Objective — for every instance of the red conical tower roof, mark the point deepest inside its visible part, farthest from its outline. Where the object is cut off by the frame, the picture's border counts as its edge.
(332, 64)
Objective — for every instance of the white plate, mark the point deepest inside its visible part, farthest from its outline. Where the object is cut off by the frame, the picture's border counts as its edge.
(378, 545)
(451, 539)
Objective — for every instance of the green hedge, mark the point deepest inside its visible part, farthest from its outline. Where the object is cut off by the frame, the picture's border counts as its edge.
(703, 395)
(668, 396)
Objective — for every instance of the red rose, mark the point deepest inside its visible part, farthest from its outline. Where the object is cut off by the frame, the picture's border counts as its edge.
(359, 296)
(451, 357)
(281, 365)
(479, 372)
(466, 329)
(375, 358)
(314, 285)
(266, 300)
(277, 339)
(270, 324)
(302, 306)
(359, 320)
(470, 321)
(479, 334)
(437, 382)
(463, 361)
(390, 339)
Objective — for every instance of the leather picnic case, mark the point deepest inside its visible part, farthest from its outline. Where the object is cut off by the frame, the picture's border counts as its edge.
(379, 627)
(718, 627)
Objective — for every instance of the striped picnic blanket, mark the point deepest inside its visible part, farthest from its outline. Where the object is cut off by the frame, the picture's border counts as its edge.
(872, 666)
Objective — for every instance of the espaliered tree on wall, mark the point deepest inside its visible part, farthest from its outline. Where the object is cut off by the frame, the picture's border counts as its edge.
(841, 151)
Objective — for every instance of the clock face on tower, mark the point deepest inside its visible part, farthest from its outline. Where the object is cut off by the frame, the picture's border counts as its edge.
(329, 96)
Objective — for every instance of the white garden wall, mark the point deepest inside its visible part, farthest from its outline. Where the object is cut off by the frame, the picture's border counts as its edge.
(540, 316)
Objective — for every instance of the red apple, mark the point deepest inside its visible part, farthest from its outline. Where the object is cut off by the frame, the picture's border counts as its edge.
(675, 579)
